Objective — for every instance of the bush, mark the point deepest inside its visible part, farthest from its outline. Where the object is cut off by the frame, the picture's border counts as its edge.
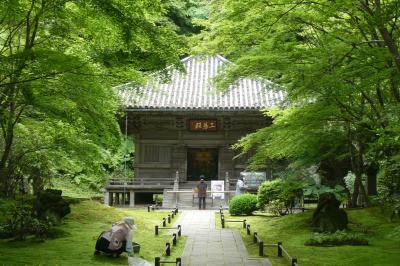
(30, 216)
(276, 207)
(158, 199)
(243, 204)
(22, 223)
(283, 190)
(337, 239)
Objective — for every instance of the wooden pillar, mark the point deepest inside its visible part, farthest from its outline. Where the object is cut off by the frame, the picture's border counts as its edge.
(131, 199)
(117, 198)
(111, 199)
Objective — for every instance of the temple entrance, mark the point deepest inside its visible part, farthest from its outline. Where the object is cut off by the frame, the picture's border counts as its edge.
(202, 162)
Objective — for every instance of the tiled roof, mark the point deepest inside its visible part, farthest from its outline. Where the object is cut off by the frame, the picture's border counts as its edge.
(194, 90)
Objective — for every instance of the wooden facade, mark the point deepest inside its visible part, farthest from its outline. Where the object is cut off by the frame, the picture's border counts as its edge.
(165, 144)
(184, 129)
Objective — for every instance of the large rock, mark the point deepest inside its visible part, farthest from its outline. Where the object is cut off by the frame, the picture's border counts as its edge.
(50, 205)
(328, 217)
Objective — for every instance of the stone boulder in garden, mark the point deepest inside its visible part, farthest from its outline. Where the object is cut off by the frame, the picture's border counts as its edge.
(328, 217)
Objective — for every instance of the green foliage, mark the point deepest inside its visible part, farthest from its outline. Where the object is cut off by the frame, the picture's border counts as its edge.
(244, 204)
(276, 207)
(59, 61)
(279, 190)
(158, 199)
(338, 63)
(340, 237)
(315, 190)
(20, 221)
(32, 216)
(395, 234)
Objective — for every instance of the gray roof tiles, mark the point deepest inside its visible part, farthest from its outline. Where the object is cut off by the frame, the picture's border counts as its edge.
(194, 90)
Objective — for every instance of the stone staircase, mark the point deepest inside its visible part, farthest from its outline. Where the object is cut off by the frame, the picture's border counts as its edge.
(185, 200)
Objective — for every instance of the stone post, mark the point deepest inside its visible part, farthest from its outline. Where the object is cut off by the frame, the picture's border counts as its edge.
(131, 199)
(227, 187)
(106, 197)
(176, 187)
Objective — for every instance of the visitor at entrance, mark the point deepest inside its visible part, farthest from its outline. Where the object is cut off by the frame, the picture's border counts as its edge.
(240, 186)
(202, 192)
(117, 239)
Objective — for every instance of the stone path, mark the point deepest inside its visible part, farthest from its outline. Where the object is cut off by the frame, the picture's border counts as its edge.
(208, 246)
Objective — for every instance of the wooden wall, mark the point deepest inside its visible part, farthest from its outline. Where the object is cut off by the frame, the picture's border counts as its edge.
(162, 139)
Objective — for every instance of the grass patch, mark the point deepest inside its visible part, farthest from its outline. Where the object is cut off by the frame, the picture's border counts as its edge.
(75, 240)
(294, 230)
(72, 190)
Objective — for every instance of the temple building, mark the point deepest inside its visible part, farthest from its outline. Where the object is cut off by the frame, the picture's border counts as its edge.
(183, 129)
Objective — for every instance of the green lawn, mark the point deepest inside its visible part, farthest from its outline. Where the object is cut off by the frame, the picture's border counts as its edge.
(75, 243)
(294, 230)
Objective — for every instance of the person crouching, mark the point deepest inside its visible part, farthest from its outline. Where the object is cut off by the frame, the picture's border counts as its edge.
(117, 239)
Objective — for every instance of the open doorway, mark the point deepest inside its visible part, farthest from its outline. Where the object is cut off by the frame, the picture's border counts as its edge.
(202, 162)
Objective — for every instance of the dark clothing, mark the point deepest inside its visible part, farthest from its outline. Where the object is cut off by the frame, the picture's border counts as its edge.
(202, 199)
(202, 189)
(103, 244)
(202, 193)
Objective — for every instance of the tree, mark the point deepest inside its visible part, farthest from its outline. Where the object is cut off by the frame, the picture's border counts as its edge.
(58, 62)
(339, 59)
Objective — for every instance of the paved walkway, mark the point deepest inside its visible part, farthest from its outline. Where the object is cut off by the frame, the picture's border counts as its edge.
(208, 246)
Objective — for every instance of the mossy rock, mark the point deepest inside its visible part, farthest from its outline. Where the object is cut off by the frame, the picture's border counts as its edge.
(328, 217)
(50, 205)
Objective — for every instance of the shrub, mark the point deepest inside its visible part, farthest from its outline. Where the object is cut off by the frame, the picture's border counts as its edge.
(22, 223)
(336, 239)
(158, 199)
(243, 204)
(276, 207)
(29, 216)
(283, 190)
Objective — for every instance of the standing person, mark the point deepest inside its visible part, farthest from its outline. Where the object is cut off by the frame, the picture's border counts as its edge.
(202, 192)
(240, 186)
(117, 239)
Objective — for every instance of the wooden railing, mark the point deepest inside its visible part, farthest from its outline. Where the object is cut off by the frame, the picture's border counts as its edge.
(257, 240)
(141, 182)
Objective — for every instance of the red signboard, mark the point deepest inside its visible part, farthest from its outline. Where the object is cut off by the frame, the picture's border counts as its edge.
(203, 125)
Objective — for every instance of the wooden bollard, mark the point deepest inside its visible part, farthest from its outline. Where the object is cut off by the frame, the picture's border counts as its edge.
(178, 262)
(174, 239)
(157, 261)
(248, 229)
(168, 249)
(261, 248)
(255, 237)
(222, 221)
(164, 222)
(156, 230)
(169, 218)
(279, 249)
(148, 208)
(244, 223)
(294, 261)
(179, 230)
